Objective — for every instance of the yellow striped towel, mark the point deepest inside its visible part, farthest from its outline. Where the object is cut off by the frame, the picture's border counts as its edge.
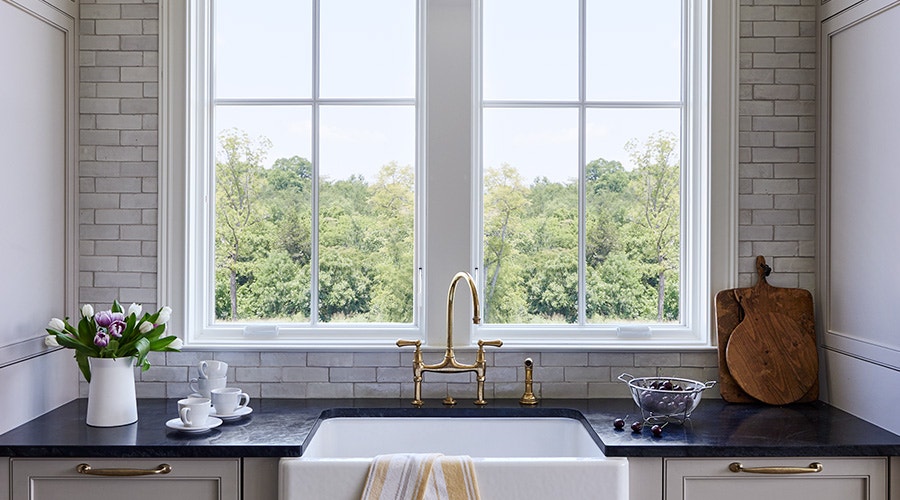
(428, 476)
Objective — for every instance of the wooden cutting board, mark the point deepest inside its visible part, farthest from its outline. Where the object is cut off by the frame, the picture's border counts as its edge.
(767, 343)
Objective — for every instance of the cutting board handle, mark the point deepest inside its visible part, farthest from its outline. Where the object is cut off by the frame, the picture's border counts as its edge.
(762, 269)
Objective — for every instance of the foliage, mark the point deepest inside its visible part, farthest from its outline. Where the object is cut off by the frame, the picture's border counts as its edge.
(656, 229)
(264, 254)
(504, 201)
(632, 245)
(240, 222)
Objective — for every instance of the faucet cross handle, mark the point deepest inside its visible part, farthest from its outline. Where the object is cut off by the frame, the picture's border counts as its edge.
(417, 357)
(479, 357)
(418, 365)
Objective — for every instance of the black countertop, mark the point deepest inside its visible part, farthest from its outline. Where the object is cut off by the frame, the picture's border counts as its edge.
(279, 427)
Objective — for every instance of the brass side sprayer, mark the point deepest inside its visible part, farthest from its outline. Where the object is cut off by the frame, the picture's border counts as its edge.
(528, 398)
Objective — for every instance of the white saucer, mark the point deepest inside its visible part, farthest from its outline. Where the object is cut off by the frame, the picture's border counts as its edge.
(178, 425)
(240, 412)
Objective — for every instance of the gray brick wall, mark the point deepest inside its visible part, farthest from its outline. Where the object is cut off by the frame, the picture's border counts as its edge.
(777, 140)
(118, 151)
(118, 179)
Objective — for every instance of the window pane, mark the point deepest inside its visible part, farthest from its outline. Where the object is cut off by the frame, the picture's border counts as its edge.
(263, 48)
(263, 210)
(530, 49)
(633, 215)
(633, 50)
(530, 216)
(366, 213)
(368, 49)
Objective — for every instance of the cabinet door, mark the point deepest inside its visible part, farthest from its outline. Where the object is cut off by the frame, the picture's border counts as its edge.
(839, 479)
(53, 479)
(4, 478)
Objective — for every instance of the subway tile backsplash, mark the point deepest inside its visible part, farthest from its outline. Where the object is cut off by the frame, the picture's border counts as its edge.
(389, 374)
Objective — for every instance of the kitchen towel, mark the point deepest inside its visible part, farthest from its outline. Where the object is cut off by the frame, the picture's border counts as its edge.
(421, 476)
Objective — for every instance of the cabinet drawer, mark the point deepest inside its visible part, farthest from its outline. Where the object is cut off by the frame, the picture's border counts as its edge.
(200, 479)
(839, 479)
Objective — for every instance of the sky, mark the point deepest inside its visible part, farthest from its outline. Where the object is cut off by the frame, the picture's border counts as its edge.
(368, 50)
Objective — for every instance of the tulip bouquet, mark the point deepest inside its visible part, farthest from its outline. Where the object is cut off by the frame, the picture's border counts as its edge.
(114, 333)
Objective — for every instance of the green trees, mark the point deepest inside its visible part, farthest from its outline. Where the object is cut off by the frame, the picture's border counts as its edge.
(632, 241)
(504, 201)
(264, 239)
(264, 251)
(656, 230)
(240, 216)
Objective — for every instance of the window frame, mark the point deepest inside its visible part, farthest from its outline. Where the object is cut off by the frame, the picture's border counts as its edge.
(446, 239)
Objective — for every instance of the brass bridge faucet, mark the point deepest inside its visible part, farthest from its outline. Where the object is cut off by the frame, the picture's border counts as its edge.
(449, 363)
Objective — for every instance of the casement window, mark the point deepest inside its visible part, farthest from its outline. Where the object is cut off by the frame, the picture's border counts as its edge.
(328, 165)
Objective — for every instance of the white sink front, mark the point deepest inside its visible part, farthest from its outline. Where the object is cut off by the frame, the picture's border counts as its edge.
(515, 458)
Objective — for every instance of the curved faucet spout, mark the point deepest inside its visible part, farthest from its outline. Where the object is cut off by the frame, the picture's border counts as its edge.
(476, 306)
(449, 363)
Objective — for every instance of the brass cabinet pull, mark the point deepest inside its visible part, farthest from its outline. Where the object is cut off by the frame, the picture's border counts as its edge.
(813, 468)
(87, 469)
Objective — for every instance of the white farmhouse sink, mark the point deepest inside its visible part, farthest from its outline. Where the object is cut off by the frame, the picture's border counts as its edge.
(515, 458)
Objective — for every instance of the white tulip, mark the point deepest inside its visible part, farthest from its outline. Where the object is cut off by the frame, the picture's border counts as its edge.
(135, 309)
(87, 311)
(164, 314)
(56, 325)
(50, 341)
(176, 344)
(145, 327)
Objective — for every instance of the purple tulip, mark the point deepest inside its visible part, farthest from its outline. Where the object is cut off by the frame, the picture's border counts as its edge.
(116, 328)
(101, 339)
(106, 318)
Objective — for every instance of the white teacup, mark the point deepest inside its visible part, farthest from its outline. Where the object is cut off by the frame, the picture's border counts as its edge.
(193, 412)
(211, 368)
(204, 386)
(229, 400)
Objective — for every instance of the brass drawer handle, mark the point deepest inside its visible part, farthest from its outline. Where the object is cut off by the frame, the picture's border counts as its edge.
(813, 468)
(87, 469)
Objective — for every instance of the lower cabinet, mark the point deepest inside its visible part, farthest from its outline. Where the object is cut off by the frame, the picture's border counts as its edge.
(895, 478)
(776, 479)
(4, 478)
(138, 479)
(651, 478)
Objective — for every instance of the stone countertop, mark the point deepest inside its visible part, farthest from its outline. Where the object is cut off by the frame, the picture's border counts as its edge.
(279, 427)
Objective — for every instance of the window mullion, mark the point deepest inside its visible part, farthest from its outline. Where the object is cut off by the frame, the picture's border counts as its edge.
(448, 145)
(582, 161)
(314, 219)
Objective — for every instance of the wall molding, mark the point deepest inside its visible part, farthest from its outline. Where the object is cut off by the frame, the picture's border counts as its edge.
(852, 341)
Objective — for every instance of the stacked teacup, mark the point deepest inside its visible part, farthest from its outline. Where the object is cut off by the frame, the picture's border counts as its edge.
(212, 375)
(224, 403)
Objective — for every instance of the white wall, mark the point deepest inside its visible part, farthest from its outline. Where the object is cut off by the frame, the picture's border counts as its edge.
(38, 138)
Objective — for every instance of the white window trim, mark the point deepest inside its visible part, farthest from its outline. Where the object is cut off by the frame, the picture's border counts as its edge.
(450, 89)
